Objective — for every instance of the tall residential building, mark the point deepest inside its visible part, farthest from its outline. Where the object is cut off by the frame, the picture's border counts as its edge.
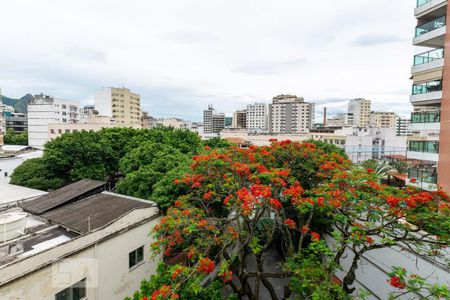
(359, 109)
(239, 119)
(2, 118)
(213, 122)
(290, 114)
(380, 119)
(402, 126)
(430, 97)
(120, 104)
(44, 110)
(257, 117)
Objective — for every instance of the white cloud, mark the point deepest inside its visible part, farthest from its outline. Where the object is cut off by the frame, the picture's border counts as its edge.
(181, 55)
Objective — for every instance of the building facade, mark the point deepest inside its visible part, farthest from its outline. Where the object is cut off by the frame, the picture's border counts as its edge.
(290, 114)
(120, 104)
(380, 119)
(403, 126)
(429, 142)
(239, 119)
(213, 122)
(257, 117)
(18, 122)
(44, 110)
(360, 110)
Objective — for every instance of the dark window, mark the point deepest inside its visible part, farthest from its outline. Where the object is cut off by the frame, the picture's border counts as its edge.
(74, 292)
(136, 257)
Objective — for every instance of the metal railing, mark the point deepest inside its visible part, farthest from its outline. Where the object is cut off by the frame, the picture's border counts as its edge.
(430, 26)
(428, 56)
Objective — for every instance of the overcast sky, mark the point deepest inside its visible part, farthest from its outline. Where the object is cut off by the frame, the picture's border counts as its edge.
(181, 55)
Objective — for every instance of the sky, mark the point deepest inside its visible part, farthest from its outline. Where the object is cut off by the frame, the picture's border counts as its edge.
(181, 55)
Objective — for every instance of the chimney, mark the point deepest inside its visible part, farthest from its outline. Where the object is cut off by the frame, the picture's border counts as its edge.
(325, 116)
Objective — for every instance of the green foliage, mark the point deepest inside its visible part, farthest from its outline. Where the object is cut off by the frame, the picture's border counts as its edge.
(139, 183)
(100, 155)
(12, 138)
(328, 148)
(20, 105)
(216, 143)
(35, 174)
(165, 191)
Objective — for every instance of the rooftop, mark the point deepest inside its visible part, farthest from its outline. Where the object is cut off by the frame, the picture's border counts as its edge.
(62, 196)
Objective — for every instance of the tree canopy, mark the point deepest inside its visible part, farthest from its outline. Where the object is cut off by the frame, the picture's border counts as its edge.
(234, 205)
(12, 138)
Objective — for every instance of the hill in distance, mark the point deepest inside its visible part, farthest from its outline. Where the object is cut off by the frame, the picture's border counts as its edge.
(20, 105)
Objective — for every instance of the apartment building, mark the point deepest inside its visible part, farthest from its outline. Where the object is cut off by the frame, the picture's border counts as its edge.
(361, 144)
(257, 117)
(120, 104)
(213, 122)
(18, 122)
(359, 109)
(429, 142)
(290, 114)
(44, 110)
(379, 119)
(78, 242)
(239, 119)
(402, 126)
(176, 123)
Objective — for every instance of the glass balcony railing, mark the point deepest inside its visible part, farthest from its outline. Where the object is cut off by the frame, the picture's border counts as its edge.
(422, 2)
(428, 56)
(426, 117)
(424, 146)
(427, 87)
(430, 26)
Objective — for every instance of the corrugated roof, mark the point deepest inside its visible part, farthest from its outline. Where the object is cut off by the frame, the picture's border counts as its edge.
(94, 212)
(64, 195)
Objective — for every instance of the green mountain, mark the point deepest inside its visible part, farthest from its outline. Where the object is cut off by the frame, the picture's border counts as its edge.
(20, 105)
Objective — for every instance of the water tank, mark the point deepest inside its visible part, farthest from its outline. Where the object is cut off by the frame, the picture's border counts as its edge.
(12, 225)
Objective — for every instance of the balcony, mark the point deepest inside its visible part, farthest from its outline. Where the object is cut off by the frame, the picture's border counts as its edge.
(430, 8)
(427, 93)
(431, 34)
(428, 61)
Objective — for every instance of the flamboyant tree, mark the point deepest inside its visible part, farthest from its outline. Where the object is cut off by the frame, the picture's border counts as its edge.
(240, 203)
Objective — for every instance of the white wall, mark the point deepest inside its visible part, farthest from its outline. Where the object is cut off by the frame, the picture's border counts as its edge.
(103, 101)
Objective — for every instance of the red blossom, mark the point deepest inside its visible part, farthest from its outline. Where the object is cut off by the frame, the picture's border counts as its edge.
(206, 266)
(370, 170)
(315, 237)
(305, 229)
(176, 273)
(275, 204)
(396, 282)
(178, 203)
(290, 223)
(207, 196)
(226, 276)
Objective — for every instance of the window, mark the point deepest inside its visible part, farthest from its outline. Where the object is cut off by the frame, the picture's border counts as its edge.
(52, 131)
(74, 292)
(63, 106)
(136, 257)
(59, 131)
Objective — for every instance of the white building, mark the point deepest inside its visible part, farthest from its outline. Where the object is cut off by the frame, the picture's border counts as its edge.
(43, 110)
(360, 110)
(174, 123)
(257, 117)
(290, 114)
(59, 246)
(361, 144)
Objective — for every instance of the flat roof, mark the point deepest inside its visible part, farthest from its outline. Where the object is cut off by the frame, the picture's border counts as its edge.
(64, 195)
(10, 193)
(94, 212)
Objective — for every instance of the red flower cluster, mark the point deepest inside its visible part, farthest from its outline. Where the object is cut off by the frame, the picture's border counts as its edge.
(261, 190)
(396, 282)
(290, 223)
(206, 266)
(226, 276)
(176, 273)
(164, 292)
(207, 196)
(315, 237)
(275, 204)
